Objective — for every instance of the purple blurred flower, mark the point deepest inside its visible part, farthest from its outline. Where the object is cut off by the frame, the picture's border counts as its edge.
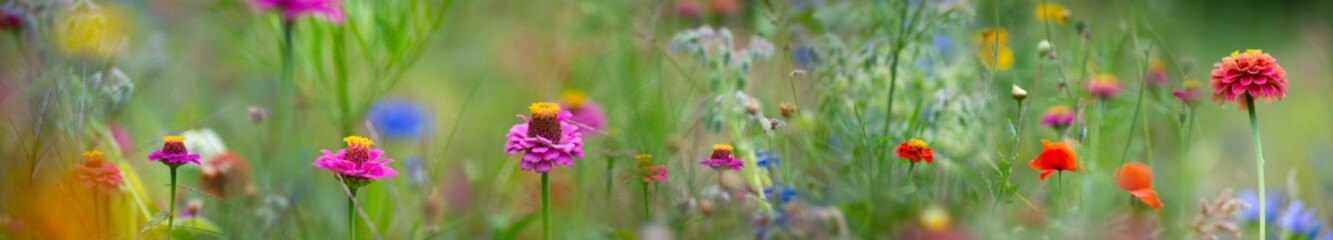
(11, 18)
(292, 9)
(1251, 198)
(545, 140)
(1300, 221)
(1058, 116)
(583, 111)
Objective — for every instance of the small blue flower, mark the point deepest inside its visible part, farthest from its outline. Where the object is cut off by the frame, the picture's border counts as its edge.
(415, 171)
(804, 56)
(1300, 221)
(399, 119)
(1251, 198)
(783, 194)
(767, 158)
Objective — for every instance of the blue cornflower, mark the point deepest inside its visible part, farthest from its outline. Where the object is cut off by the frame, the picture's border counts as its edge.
(1300, 221)
(1251, 198)
(767, 158)
(399, 119)
(783, 194)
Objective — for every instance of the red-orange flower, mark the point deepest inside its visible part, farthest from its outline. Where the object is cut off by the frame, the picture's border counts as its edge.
(1136, 178)
(916, 150)
(1055, 157)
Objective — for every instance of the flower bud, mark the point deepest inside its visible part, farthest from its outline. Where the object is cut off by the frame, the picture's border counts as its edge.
(1018, 93)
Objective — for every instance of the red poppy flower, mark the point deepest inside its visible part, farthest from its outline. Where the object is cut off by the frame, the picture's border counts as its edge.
(916, 150)
(1136, 178)
(1056, 157)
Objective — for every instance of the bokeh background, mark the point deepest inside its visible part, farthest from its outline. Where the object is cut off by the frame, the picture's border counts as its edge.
(438, 83)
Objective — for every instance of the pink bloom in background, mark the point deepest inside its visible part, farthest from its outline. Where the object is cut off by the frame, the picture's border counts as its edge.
(1254, 72)
(11, 18)
(96, 173)
(1156, 73)
(723, 157)
(1104, 86)
(122, 137)
(583, 111)
(545, 140)
(1190, 93)
(358, 163)
(173, 152)
(647, 171)
(292, 9)
(1058, 116)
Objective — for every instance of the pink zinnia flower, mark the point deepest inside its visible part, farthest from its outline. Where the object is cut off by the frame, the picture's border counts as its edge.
(647, 171)
(1156, 73)
(1104, 86)
(11, 18)
(583, 111)
(173, 152)
(546, 140)
(1058, 116)
(1254, 72)
(96, 173)
(723, 157)
(358, 164)
(292, 9)
(1190, 93)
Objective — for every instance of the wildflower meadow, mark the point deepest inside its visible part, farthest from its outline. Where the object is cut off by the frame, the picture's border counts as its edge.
(666, 119)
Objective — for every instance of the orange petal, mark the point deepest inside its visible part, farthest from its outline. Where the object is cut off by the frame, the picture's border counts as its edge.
(1044, 174)
(1134, 176)
(1148, 196)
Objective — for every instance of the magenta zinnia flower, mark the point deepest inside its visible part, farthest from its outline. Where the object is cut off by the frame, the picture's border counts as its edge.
(1104, 86)
(1189, 94)
(96, 173)
(292, 9)
(358, 164)
(546, 140)
(1058, 116)
(722, 157)
(173, 152)
(1254, 72)
(583, 111)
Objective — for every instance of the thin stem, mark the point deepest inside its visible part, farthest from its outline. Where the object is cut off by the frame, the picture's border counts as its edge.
(351, 214)
(1259, 157)
(171, 212)
(610, 165)
(546, 206)
(647, 213)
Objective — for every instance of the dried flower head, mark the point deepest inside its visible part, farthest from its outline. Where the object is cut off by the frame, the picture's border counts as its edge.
(1253, 72)
(1056, 156)
(358, 163)
(722, 157)
(224, 175)
(173, 152)
(787, 109)
(546, 139)
(1215, 217)
(97, 174)
(916, 151)
(257, 114)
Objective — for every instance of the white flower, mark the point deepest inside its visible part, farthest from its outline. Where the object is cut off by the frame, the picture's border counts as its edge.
(205, 142)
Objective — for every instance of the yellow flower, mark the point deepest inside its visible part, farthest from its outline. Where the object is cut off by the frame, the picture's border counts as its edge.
(96, 31)
(993, 48)
(1053, 12)
(935, 218)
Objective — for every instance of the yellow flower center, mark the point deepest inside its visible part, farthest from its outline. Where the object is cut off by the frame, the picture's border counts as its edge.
(544, 110)
(173, 138)
(574, 99)
(94, 157)
(1192, 84)
(723, 147)
(935, 219)
(358, 141)
(1058, 109)
(916, 143)
(644, 159)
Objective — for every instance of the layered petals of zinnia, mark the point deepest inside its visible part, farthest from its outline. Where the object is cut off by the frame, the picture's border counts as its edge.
(723, 157)
(98, 174)
(1056, 156)
(372, 168)
(173, 152)
(1253, 72)
(1136, 178)
(293, 9)
(916, 151)
(541, 154)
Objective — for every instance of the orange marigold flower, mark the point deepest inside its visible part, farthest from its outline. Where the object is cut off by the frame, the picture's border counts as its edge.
(916, 150)
(1136, 178)
(1056, 156)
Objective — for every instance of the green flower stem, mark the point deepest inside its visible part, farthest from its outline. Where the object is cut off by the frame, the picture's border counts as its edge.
(647, 213)
(351, 214)
(610, 165)
(1259, 157)
(171, 212)
(546, 206)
